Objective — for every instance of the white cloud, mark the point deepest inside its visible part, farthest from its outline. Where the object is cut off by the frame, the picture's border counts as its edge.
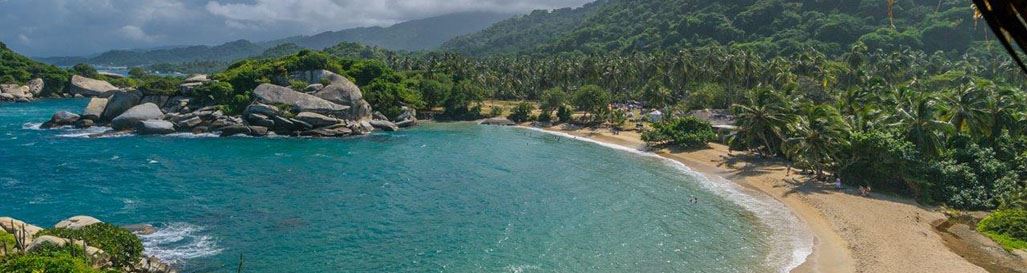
(136, 33)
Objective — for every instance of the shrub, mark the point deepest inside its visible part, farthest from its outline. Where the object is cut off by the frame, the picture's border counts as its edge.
(1007, 227)
(222, 94)
(564, 113)
(160, 86)
(522, 112)
(496, 111)
(7, 239)
(123, 246)
(880, 160)
(687, 131)
(61, 263)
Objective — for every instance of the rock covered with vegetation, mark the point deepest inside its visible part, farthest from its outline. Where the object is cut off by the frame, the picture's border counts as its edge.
(79, 244)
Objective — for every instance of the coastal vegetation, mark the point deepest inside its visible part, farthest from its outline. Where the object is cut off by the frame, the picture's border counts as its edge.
(95, 247)
(1007, 227)
(18, 69)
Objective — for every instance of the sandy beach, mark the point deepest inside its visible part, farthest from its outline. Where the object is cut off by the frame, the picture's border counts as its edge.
(880, 233)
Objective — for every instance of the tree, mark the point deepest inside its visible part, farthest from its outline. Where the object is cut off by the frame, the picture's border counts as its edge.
(138, 73)
(522, 112)
(817, 137)
(85, 70)
(916, 118)
(687, 131)
(465, 101)
(593, 100)
(762, 121)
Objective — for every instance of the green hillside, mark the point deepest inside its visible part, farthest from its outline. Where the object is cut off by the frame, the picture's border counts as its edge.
(774, 27)
(15, 68)
(422, 34)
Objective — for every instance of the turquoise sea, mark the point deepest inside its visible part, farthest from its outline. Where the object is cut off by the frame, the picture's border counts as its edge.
(455, 197)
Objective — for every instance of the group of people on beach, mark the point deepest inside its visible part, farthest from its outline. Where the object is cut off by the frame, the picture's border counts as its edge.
(863, 190)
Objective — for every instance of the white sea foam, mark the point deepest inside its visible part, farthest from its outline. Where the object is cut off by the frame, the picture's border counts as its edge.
(86, 132)
(191, 135)
(32, 126)
(796, 244)
(178, 242)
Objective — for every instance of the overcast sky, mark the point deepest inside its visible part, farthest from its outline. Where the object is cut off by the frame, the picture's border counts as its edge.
(77, 27)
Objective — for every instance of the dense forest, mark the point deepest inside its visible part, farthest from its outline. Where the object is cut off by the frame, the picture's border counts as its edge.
(771, 27)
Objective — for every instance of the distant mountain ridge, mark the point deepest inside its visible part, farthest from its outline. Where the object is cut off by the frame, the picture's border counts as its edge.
(768, 26)
(421, 34)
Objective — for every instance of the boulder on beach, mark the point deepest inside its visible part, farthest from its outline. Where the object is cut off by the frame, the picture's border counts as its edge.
(94, 110)
(77, 222)
(87, 87)
(119, 103)
(62, 118)
(317, 120)
(155, 127)
(299, 102)
(131, 118)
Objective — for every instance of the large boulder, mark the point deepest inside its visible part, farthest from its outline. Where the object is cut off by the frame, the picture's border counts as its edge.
(197, 78)
(87, 87)
(15, 226)
(262, 109)
(260, 120)
(317, 120)
(36, 86)
(345, 92)
(299, 102)
(77, 222)
(384, 125)
(18, 91)
(119, 103)
(62, 118)
(94, 110)
(155, 127)
(131, 118)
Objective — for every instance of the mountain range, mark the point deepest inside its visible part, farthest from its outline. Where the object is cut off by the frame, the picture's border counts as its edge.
(422, 34)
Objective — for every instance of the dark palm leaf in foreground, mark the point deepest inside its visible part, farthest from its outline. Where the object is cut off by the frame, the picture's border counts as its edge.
(1006, 19)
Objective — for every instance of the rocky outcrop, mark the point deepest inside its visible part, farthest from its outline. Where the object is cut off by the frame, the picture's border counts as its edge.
(344, 92)
(36, 86)
(87, 87)
(16, 227)
(131, 118)
(20, 93)
(299, 102)
(62, 118)
(384, 125)
(119, 103)
(317, 120)
(77, 222)
(243, 130)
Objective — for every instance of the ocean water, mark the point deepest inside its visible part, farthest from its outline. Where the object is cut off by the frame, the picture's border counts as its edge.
(438, 198)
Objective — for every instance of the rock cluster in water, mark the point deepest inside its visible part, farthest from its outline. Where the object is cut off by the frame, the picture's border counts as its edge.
(26, 237)
(337, 109)
(21, 93)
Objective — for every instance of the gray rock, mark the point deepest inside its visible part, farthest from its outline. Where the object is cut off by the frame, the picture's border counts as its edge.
(84, 123)
(317, 120)
(243, 130)
(263, 109)
(379, 116)
(498, 121)
(94, 110)
(344, 92)
(36, 86)
(62, 118)
(300, 102)
(77, 222)
(313, 87)
(189, 123)
(331, 131)
(406, 123)
(175, 104)
(18, 91)
(119, 103)
(187, 88)
(91, 88)
(7, 97)
(15, 226)
(384, 125)
(155, 127)
(131, 118)
(159, 100)
(260, 120)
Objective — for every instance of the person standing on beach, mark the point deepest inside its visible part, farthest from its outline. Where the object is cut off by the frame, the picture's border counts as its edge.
(838, 183)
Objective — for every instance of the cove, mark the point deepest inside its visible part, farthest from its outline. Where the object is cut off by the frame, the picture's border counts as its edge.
(454, 197)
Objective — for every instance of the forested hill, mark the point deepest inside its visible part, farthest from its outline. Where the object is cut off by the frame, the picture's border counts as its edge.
(769, 26)
(18, 69)
(422, 34)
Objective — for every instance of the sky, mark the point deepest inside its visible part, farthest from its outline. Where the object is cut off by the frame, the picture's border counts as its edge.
(45, 28)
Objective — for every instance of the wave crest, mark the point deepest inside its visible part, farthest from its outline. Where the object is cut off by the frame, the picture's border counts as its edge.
(177, 242)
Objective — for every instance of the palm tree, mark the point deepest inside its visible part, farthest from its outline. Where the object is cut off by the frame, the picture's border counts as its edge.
(762, 121)
(966, 109)
(817, 137)
(916, 117)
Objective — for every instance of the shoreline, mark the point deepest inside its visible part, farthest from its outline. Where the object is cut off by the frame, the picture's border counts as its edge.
(880, 233)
